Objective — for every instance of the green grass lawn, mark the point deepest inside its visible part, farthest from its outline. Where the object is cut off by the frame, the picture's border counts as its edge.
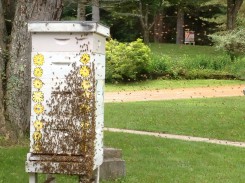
(150, 160)
(155, 160)
(12, 167)
(220, 118)
(169, 84)
(12, 164)
(177, 51)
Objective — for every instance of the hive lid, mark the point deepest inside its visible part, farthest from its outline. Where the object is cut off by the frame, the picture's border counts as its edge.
(68, 26)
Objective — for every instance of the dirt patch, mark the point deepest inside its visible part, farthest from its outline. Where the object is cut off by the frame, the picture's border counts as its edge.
(171, 94)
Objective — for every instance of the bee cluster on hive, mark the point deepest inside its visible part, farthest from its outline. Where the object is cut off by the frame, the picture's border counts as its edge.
(71, 115)
(67, 108)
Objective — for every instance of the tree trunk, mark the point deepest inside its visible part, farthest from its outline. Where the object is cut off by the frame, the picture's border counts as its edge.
(158, 28)
(233, 7)
(144, 20)
(3, 126)
(9, 9)
(18, 93)
(95, 10)
(146, 36)
(81, 10)
(180, 26)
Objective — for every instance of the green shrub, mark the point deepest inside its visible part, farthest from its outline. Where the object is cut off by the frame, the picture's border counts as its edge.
(238, 68)
(165, 66)
(126, 61)
(208, 74)
(159, 65)
(190, 67)
(233, 42)
(207, 62)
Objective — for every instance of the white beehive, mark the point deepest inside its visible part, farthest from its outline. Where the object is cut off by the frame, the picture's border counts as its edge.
(67, 109)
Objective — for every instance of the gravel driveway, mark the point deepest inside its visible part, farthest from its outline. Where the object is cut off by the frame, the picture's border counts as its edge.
(171, 94)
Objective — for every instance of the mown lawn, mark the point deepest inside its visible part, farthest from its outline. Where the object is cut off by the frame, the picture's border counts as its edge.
(220, 118)
(150, 160)
(169, 84)
(176, 51)
(12, 166)
(155, 160)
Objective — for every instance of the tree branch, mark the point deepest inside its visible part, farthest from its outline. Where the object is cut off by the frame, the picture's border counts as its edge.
(129, 14)
(151, 25)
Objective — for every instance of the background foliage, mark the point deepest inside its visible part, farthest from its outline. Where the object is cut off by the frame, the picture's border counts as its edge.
(233, 42)
(164, 61)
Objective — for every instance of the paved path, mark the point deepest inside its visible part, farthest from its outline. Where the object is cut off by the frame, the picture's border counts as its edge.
(179, 137)
(170, 94)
